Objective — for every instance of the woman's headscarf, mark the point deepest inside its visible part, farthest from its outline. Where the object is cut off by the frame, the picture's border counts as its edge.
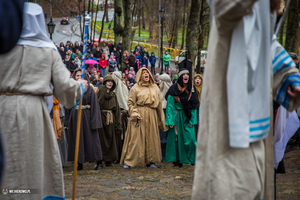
(198, 88)
(165, 84)
(121, 90)
(187, 97)
(34, 27)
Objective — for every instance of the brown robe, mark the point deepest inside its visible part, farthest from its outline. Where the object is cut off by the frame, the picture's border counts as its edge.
(110, 132)
(142, 140)
(89, 144)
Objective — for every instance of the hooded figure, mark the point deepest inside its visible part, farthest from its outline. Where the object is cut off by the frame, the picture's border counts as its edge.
(142, 141)
(32, 157)
(111, 119)
(181, 116)
(165, 84)
(121, 90)
(89, 145)
(198, 87)
(198, 82)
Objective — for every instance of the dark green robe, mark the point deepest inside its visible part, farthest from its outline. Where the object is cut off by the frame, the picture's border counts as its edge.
(109, 133)
(180, 147)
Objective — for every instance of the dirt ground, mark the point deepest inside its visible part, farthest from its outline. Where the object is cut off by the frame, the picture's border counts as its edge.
(165, 182)
(288, 184)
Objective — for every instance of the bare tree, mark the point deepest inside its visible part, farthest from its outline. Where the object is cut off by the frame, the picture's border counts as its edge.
(292, 28)
(102, 26)
(191, 34)
(118, 20)
(127, 33)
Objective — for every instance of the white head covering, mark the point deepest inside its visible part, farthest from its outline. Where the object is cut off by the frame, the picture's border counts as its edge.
(121, 90)
(34, 27)
(165, 84)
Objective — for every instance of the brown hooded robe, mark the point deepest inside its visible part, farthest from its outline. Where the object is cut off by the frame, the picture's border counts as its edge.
(142, 140)
(111, 130)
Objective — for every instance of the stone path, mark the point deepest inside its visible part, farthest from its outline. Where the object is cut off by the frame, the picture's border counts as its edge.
(165, 182)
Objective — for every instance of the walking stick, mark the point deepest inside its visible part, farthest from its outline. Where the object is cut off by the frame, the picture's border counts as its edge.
(86, 29)
(77, 149)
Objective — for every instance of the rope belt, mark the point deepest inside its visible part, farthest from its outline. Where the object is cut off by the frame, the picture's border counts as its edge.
(84, 107)
(109, 116)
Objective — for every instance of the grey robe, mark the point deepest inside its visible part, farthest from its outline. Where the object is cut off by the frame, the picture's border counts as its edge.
(32, 159)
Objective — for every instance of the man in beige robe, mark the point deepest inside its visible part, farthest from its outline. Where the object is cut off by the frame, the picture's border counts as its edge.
(32, 159)
(223, 172)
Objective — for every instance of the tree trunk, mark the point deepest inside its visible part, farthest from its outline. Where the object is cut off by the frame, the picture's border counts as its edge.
(96, 21)
(80, 23)
(292, 26)
(183, 23)
(106, 14)
(83, 20)
(281, 33)
(191, 34)
(175, 33)
(89, 7)
(118, 20)
(91, 35)
(297, 45)
(200, 36)
(139, 7)
(143, 18)
(127, 33)
(102, 26)
(151, 22)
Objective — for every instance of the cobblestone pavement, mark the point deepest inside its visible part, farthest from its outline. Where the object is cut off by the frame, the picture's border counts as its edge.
(165, 182)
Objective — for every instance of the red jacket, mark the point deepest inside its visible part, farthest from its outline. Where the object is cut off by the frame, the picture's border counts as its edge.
(102, 63)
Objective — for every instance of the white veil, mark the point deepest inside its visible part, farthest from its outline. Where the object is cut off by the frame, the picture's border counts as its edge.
(34, 27)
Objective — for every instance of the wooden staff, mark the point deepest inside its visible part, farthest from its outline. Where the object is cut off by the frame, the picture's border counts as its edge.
(76, 149)
(87, 23)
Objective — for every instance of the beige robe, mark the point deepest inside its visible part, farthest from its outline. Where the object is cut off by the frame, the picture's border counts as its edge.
(222, 172)
(32, 158)
(142, 140)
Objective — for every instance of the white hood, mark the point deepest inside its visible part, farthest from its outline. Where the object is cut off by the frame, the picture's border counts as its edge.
(34, 27)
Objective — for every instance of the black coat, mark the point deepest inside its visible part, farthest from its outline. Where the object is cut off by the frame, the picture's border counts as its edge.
(89, 144)
(11, 23)
(120, 47)
(97, 54)
(117, 55)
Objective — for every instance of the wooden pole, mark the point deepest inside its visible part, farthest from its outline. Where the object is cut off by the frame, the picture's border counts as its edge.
(76, 149)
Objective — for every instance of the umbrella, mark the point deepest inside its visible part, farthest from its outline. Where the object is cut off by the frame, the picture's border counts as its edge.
(91, 62)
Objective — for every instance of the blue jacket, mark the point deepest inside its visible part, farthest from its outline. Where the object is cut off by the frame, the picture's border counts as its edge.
(90, 58)
(145, 61)
(152, 59)
(138, 57)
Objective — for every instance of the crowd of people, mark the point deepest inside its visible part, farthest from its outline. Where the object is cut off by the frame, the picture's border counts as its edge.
(154, 117)
(126, 99)
(109, 59)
